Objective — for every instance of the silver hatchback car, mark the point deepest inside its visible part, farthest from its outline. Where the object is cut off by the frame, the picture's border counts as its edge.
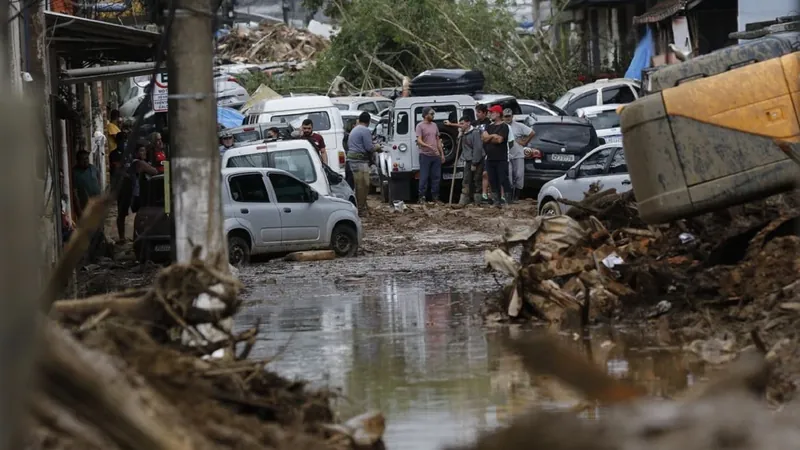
(604, 165)
(272, 211)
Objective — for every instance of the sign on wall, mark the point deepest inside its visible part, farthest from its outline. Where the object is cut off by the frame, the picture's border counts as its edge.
(160, 93)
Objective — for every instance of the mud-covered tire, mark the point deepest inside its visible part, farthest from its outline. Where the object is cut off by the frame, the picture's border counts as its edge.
(344, 240)
(550, 208)
(238, 251)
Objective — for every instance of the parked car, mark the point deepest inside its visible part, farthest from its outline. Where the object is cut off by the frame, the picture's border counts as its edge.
(229, 92)
(559, 142)
(258, 132)
(152, 227)
(297, 157)
(272, 211)
(605, 120)
(601, 92)
(540, 108)
(372, 105)
(604, 165)
(326, 118)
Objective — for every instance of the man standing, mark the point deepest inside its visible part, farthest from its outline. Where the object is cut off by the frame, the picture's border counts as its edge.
(86, 181)
(112, 130)
(360, 149)
(315, 139)
(522, 136)
(159, 156)
(431, 155)
(495, 140)
(472, 152)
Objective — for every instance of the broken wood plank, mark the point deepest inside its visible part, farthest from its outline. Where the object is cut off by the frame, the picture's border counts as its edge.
(316, 255)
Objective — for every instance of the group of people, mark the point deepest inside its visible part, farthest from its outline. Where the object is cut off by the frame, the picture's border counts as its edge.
(492, 147)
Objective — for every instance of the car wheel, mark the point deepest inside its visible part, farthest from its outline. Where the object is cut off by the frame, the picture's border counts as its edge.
(448, 146)
(384, 188)
(238, 251)
(550, 208)
(344, 241)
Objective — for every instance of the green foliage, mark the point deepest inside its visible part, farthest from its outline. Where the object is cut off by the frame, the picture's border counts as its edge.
(417, 35)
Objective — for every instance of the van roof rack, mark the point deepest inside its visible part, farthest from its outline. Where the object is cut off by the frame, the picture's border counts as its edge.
(757, 30)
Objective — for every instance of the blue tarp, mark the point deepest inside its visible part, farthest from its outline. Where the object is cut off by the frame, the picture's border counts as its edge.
(641, 57)
(229, 117)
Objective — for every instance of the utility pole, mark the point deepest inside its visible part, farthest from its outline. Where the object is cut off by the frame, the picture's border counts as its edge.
(195, 159)
(20, 198)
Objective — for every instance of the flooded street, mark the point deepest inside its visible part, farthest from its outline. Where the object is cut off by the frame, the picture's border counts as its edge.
(404, 335)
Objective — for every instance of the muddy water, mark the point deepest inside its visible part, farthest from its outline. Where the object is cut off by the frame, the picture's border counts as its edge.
(396, 334)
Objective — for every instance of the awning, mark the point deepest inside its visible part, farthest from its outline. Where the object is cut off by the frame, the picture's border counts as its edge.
(94, 40)
(664, 9)
(574, 4)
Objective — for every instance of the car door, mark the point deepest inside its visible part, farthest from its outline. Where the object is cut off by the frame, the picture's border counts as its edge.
(582, 101)
(302, 220)
(590, 170)
(618, 177)
(255, 210)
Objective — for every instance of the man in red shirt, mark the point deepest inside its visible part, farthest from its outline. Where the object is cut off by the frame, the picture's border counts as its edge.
(315, 139)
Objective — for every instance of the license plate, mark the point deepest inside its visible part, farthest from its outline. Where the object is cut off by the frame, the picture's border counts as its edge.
(613, 139)
(161, 248)
(449, 176)
(557, 157)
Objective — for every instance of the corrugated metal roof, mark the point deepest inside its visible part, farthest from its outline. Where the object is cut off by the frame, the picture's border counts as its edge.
(662, 10)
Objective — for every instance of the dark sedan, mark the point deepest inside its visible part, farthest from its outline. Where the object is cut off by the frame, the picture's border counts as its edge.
(560, 141)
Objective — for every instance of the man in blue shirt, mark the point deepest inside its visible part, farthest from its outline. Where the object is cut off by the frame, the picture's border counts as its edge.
(360, 149)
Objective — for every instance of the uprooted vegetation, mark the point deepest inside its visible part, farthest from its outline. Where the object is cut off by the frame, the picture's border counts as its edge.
(381, 41)
(127, 370)
(713, 284)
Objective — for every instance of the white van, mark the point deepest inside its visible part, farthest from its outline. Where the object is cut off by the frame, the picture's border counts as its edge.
(296, 156)
(294, 110)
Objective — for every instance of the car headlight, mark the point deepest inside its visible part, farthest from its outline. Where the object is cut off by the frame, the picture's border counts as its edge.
(402, 147)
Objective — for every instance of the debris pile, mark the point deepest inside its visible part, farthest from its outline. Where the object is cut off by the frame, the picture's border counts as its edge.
(116, 373)
(270, 43)
(713, 279)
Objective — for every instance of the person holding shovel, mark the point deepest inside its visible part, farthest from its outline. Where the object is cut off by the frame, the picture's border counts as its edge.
(472, 153)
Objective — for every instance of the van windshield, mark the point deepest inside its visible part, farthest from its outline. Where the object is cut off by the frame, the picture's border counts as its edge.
(295, 161)
(604, 120)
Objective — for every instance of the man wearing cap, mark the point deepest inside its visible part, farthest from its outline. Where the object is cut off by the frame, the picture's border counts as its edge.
(495, 144)
(227, 141)
(431, 155)
(516, 155)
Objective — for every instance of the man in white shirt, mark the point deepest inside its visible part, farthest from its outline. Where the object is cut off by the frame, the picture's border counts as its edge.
(519, 138)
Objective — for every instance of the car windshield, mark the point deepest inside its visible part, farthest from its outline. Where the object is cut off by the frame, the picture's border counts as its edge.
(556, 109)
(563, 100)
(247, 136)
(604, 120)
(342, 106)
(564, 134)
(252, 160)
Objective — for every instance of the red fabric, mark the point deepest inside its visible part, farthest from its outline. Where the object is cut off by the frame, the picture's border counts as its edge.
(160, 158)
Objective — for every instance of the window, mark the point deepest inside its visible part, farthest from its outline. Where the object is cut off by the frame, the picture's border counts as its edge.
(290, 190)
(252, 160)
(595, 164)
(248, 188)
(618, 164)
(402, 123)
(562, 134)
(383, 104)
(248, 135)
(342, 106)
(604, 120)
(618, 94)
(368, 107)
(588, 99)
(440, 113)
(296, 161)
(349, 123)
(320, 119)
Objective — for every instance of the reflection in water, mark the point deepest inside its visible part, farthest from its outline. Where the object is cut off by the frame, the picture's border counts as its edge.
(430, 365)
